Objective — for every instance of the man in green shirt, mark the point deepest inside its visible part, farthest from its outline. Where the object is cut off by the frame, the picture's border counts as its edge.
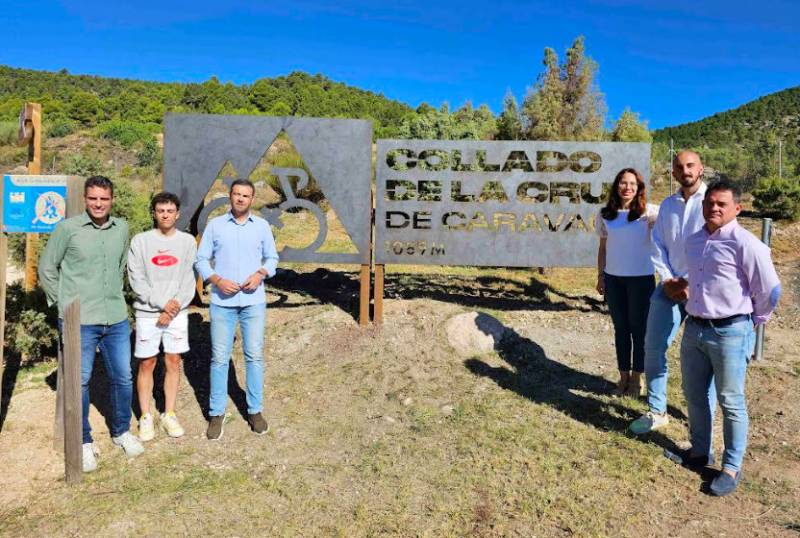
(85, 258)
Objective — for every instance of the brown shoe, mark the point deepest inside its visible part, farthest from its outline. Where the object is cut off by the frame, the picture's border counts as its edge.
(634, 389)
(215, 428)
(257, 423)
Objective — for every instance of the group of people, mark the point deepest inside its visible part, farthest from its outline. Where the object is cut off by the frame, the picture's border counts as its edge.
(714, 274)
(86, 258)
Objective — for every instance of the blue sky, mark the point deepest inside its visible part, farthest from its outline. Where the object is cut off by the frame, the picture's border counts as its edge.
(671, 61)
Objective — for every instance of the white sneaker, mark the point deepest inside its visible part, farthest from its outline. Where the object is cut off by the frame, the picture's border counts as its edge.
(648, 422)
(129, 443)
(89, 458)
(146, 429)
(170, 425)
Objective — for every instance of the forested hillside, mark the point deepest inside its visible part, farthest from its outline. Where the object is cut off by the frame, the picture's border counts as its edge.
(90, 100)
(743, 142)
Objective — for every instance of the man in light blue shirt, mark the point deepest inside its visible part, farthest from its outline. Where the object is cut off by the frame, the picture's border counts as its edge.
(244, 254)
(679, 216)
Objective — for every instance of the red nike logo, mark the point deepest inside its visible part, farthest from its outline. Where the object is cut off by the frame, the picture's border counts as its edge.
(164, 260)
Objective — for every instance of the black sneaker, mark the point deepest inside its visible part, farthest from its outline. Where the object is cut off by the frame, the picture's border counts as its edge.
(215, 428)
(257, 423)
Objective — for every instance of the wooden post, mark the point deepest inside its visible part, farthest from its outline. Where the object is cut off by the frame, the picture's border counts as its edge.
(379, 273)
(195, 228)
(198, 285)
(75, 206)
(33, 116)
(363, 311)
(364, 295)
(73, 421)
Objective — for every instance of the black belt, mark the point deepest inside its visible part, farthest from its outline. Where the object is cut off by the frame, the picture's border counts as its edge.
(722, 322)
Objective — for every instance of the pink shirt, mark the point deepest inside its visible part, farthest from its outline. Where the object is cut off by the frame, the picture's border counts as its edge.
(730, 272)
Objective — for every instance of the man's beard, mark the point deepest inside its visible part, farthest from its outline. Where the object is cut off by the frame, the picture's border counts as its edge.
(688, 183)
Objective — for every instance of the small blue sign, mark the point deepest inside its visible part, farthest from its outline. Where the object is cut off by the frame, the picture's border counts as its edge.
(33, 204)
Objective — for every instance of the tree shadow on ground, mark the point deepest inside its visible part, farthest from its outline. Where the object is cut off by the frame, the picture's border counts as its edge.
(13, 363)
(196, 365)
(533, 375)
(485, 292)
(197, 368)
(99, 389)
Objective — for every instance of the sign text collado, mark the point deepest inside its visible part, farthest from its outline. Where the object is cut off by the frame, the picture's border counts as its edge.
(511, 203)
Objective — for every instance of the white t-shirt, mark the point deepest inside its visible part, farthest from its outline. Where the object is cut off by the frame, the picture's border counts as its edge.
(628, 243)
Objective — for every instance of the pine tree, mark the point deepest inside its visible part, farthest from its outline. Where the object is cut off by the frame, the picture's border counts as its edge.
(509, 125)
(583, 112)
(565, 103)
(629, 128)
(541, 109)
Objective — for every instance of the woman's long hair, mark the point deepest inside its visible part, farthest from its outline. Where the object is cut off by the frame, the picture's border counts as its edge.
(614, 203)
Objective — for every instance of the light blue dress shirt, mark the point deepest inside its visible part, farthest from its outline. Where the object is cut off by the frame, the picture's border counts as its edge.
(237, 250)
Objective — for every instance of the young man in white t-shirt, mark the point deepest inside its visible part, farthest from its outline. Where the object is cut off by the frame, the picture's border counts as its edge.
(161, 273)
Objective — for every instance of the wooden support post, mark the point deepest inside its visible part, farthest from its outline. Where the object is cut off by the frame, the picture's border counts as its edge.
(31, 260)
(73, 422)
(363, 298)
(198, 285)
(33, 116)
(75, 206)
(366, 275)
(194, 227)
(379, 273)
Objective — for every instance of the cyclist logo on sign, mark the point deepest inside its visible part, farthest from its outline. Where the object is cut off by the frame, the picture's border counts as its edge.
(50, 208)
(273, 214)
(202, 150)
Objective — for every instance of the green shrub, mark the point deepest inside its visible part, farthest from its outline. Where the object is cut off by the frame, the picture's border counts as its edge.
(778, 198)
(150, 154)
(127, 133)
(31, 326)
(8, 133)
(84, 164)
(132, 205)
(84, 107)
(16, 248)
(61, 127)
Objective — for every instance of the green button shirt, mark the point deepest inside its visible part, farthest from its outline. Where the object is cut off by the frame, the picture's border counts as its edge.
(87, 261)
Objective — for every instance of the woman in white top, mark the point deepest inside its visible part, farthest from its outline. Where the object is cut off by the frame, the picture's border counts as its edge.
(625, 272)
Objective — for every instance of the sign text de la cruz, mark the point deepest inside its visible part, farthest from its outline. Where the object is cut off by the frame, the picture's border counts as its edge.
(495, 203)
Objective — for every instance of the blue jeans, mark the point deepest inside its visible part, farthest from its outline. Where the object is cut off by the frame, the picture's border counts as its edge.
(716, 358)
(114, 342)
(223, 329)
(663, 322)
(628, 299)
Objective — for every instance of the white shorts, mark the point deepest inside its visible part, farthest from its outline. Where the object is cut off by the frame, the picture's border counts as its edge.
(150, 336)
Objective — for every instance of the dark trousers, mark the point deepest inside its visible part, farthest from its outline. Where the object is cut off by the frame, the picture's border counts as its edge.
(628, 299)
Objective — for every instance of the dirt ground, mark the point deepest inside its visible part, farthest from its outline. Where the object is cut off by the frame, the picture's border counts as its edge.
(387, 431)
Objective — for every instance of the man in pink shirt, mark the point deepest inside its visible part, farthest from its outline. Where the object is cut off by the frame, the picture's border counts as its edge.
(732, 286)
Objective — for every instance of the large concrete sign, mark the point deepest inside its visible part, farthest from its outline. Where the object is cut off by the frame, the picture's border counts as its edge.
(336, 152)
(516, 204)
